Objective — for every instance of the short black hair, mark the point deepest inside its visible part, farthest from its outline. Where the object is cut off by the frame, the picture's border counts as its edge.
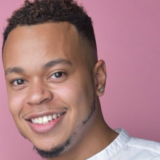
(42, 11)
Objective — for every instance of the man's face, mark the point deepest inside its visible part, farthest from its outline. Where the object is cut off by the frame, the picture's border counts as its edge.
(49, 83)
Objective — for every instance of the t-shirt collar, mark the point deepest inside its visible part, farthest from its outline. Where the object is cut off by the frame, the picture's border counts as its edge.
(113, 148)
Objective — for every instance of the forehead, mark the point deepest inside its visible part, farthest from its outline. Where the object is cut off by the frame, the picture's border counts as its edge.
(54, 40)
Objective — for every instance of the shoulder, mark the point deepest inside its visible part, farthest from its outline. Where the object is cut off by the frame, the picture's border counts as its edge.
(138, 149)
(144, 146)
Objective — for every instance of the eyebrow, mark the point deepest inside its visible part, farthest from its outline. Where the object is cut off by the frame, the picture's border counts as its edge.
(14, 70)
(45, 66)
(55, 62)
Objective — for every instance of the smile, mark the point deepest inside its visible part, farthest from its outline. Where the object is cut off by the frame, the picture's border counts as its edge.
(46, 119)
(46, 122)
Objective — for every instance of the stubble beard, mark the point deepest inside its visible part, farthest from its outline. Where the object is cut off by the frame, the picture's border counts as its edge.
(55, 152)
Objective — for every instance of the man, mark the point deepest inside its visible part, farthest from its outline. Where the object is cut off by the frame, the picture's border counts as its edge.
(54, 79)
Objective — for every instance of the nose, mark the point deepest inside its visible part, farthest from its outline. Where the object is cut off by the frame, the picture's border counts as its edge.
(38, 94)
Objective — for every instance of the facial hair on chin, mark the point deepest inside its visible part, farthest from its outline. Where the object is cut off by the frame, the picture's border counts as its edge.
(58, 150)
(55, 151)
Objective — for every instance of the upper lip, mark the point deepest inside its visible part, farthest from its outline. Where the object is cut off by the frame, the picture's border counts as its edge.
(41, 114)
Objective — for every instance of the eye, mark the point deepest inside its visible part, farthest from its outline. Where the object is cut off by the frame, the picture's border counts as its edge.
(57, 75)
(18, 82)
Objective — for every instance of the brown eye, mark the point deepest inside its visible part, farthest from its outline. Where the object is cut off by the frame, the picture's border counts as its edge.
(57, 75)
(18, 82)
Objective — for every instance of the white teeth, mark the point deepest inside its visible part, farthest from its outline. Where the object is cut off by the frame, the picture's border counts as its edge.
(50, 118)
(54, 116)
(40, 120)
(36, 120)
(45, 119)
(33, 120)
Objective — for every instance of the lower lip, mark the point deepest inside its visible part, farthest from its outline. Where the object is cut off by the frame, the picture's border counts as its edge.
(43, 128)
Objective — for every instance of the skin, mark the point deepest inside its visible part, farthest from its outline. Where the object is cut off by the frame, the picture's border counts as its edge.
(27, 50)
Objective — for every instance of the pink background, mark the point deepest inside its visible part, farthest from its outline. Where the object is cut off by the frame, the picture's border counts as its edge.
(128, 38)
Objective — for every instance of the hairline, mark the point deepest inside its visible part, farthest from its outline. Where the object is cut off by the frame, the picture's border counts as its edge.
(81, 35)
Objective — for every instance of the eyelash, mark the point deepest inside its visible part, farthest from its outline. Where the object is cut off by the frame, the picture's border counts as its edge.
(16, 80)
(23, 81)
(61, 74)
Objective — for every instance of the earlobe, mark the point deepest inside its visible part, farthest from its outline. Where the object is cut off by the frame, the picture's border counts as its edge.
(101, 90)
(100, 77)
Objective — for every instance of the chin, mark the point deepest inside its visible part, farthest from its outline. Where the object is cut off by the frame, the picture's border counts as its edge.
(46, 145)
(51, 152)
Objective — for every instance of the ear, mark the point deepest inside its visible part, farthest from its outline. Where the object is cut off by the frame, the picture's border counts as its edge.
(99, 73)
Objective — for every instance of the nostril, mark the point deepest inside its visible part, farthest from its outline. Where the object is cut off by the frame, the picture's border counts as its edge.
(39, 95)
(44, 100)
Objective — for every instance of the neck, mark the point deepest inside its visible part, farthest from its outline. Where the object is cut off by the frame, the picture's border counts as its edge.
(98, 136)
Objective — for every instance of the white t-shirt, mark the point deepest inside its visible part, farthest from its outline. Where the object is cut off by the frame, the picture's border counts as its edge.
(125, 147)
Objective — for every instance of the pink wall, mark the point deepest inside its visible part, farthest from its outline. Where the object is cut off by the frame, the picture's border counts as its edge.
(128, 37)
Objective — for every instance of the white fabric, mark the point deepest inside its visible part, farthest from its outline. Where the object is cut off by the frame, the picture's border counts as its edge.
(125, 147)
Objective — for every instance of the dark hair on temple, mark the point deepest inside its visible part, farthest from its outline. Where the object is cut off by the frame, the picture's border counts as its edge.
(42, 11)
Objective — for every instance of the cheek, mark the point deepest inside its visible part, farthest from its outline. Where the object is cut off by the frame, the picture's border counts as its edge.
(77, 95)
(16, 101)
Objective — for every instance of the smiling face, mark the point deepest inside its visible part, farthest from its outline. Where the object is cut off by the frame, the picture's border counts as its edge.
(49, 81)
